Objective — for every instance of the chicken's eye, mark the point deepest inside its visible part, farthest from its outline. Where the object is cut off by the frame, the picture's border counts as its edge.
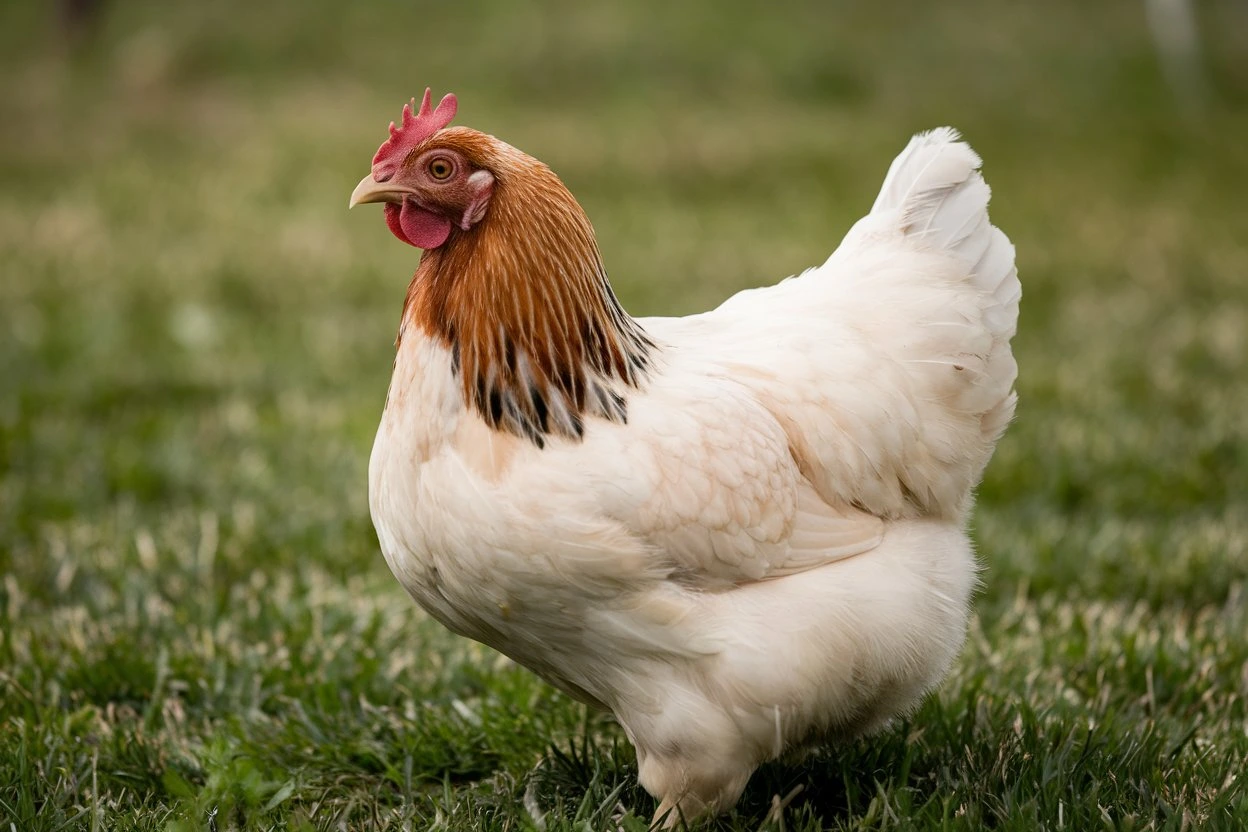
(440, 169)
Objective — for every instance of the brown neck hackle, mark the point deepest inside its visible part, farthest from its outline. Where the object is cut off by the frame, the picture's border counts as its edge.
(537, 336)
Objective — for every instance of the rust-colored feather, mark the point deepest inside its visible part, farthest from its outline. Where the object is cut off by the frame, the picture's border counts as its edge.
(522, 299)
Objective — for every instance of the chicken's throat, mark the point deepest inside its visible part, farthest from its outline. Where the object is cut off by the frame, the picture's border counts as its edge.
(539, 342)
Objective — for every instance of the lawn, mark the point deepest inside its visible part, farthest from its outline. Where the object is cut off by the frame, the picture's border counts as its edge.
(197, 630)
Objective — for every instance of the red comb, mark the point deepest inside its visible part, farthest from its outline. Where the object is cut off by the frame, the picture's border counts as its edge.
(416, 128)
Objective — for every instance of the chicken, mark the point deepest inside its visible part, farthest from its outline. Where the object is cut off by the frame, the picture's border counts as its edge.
(742, 532)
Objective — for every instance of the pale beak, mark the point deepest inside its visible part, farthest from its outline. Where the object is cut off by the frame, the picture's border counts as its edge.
(370, 190)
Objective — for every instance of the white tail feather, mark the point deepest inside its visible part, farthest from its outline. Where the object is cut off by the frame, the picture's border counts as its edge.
(935, 196)
(934, 192)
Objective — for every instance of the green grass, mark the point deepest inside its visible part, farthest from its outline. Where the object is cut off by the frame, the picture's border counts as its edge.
(196, 628)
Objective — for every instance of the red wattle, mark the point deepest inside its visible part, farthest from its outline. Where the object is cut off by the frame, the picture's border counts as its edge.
(392, 222)
(416, 226)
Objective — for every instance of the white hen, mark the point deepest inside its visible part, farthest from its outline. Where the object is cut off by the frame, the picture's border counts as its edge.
(741, 531)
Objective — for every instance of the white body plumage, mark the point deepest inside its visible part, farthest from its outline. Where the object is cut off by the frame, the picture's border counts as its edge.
(771, 550)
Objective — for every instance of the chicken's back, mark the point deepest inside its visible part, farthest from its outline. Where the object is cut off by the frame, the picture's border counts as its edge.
(889, 365)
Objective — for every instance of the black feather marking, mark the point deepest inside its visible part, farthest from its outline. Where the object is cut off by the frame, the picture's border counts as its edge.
(621, 407)
(593, 338)
(523, 424)
(563, 379)
(496, 407)
(610, 404)
(572, 384)
(539, 408)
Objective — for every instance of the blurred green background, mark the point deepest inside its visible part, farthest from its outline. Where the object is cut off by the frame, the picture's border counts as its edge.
(196, 627)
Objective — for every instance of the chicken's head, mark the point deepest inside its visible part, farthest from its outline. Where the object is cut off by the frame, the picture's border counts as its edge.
(428, 185)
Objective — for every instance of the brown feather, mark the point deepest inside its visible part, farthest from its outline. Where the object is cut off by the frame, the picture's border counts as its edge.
(522, 299)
